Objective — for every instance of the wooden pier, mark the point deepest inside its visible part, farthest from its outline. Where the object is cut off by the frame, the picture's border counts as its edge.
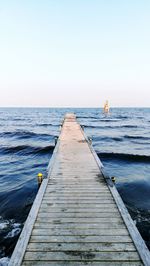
(78, 217)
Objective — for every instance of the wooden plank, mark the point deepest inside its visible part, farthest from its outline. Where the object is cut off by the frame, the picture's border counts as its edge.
(78, 194)
(75, 194)
(77, 263)
(76, 198)
(81, 239)
(78, 220)
(76, 215)
(76, 190)
(76, 210)
(76, 182)
(86, 191)
(79, 255)
(113, 225)
(80, 247)
(76, 205)
(82, 195)
(58, 179)
(96, 201)
(44, 208)
(85, 232)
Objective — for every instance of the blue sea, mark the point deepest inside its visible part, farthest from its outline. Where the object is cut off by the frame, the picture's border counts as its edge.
(27, 137)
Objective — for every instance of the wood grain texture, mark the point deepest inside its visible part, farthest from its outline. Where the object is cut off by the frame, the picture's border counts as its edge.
(81, 262)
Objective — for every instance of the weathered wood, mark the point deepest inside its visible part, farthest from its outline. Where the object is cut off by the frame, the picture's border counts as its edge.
(79, 220)
(75, 215)
(77, 263)
(86, 191)
(99, 225)
(77, 209)
(76, 205)
(81, 239)
(17, 256)
(96, 201)
(77, 193)
(85, 232)
(135, 235)
(138, 241)
(20, 248)
(79, 199)
(80, 246)
(79, 255)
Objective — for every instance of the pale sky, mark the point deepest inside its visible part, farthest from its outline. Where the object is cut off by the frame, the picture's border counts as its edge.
(57, 53)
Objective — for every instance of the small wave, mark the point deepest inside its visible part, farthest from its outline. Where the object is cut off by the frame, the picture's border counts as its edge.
(136, 137)
(25, 149)
(82, 117)
(45, 149)
(3, 225)
(110, 120)
(129, 126)
(4, 261)
(122, 117)
(14, 232)
(44, 125)
(47, 125)
(18, 134)
(9, 229)
(92, 126)
(125, 156)
(97, 126)
(18, 119)
(107, 139)
(117, 139)
(22, 134)
(88, 117)
(110, 127)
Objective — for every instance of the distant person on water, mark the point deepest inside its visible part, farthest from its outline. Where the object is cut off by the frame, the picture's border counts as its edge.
(106, 108)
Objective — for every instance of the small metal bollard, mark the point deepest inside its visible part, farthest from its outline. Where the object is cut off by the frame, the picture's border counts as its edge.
(56, 138)
(113, 179)
(40, 178)
(90, 140)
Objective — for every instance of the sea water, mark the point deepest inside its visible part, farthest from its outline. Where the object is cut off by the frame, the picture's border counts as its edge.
(27, 137)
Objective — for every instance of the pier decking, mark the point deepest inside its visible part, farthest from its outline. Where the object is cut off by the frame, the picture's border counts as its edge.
(78, 217)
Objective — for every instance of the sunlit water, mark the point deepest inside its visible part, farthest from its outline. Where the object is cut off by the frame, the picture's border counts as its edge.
(27, 136)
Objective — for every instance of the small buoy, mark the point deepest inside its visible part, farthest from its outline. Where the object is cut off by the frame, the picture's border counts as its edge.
(40, 174)
(40, 178)
(113, 179)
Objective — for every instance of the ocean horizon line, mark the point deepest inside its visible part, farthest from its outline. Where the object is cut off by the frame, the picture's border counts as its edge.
(75, 107)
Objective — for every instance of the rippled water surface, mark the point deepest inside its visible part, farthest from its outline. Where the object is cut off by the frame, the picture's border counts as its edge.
(27, 136)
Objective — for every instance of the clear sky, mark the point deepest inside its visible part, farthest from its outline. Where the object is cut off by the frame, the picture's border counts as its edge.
(74, 53)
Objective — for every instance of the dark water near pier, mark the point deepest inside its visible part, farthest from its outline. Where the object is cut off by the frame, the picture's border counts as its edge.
(122, 141)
